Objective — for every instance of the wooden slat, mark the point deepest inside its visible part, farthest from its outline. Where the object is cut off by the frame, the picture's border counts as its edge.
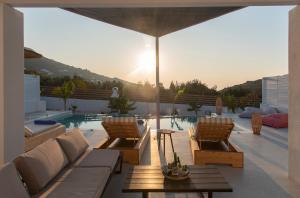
(165, 97)
(151, 179)
(141, 176)
(163, 180)
(178, 187)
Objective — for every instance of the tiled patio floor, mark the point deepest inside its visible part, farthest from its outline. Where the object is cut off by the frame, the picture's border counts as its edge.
(264, 173)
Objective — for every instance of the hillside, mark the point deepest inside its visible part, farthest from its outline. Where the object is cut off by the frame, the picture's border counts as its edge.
(249, 86)
(37, 62)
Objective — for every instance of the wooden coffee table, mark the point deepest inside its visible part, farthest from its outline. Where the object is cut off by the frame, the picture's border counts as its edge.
(147, 179)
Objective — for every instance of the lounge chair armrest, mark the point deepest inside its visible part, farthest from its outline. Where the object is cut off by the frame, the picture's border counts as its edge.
(192, 132)
(140, 141)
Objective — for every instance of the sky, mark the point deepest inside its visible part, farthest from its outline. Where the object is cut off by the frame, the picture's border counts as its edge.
(244, 45)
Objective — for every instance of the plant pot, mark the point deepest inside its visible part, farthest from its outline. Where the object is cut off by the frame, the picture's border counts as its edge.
(256, 122)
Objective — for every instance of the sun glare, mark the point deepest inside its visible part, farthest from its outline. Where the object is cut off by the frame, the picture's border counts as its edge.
(146, 61)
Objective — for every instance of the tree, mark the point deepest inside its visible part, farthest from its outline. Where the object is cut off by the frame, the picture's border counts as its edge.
(65, 92)
(179, 92)
(194, 107)
(122, 105)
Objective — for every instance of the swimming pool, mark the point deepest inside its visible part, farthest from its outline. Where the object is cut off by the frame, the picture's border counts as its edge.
(93, 121)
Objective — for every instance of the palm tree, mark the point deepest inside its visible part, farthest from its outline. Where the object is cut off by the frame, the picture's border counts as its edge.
(65, 92)
(122, 105)
(179, 92)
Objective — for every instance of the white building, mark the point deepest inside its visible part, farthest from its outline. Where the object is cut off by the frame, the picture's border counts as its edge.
(32, 98)
(275, 91)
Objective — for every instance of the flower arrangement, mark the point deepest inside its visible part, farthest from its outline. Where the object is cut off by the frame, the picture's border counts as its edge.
(176, 171)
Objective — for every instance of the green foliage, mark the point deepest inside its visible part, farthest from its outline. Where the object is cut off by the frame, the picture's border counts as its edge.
(65, 92)
(178, 93)
(194, 107)
(121, 105)
(194, 87)
(231, 102)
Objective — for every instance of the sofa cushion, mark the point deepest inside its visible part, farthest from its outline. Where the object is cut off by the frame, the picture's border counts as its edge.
(276, 120)
(10, 183)
(38, 166)
(73, 144)
(269, 110)
(80, 183)
(249, 111)
(99, 158)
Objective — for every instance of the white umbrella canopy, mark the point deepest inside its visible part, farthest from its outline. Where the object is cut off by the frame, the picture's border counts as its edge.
(154, 21)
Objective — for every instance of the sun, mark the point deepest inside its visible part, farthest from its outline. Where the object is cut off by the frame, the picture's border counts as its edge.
(146, 61)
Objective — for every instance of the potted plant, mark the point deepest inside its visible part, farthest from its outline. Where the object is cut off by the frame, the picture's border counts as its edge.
(230, 101)
(74, 108)
(194, 107)
(121, 105)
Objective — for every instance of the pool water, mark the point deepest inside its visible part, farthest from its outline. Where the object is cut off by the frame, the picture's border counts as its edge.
(93, 121)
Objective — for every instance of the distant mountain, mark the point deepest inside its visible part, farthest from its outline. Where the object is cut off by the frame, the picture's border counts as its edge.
(252, 86)
(36, 62)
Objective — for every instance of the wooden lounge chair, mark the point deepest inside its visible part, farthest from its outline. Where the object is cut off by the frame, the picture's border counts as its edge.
(210, 143)
(126, 135)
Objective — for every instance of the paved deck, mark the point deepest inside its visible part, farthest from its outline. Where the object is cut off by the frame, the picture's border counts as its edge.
(264, 173)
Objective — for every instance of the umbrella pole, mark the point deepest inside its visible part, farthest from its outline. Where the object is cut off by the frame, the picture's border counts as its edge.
(157, 84)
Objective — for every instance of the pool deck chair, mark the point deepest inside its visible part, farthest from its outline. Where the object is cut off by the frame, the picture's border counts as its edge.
(210, 143)
(125, 135)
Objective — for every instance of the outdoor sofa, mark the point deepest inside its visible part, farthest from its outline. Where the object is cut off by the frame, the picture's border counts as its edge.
(60, 167)
(210, 144)
(127, 136)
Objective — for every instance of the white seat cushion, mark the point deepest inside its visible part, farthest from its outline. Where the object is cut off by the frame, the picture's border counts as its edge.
(38, 166)
(10, 183)
(80, 183)
(100, 158)
(73, 144)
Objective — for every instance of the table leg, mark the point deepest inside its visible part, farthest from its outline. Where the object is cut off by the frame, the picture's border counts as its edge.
(164, 144)
(172, 143)
(145, 194)
(210, 194)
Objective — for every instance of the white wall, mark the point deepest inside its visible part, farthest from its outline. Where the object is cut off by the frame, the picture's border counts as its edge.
(98, 106)
(294, 94)
(275, 92)
(32, 99)
(11, 83)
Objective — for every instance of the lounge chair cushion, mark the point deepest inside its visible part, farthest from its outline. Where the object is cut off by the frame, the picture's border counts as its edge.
(99, 158)
(80, 183)
(38, 166)
(214, 129)
(121, 127)
(73, 144)
(10, 183)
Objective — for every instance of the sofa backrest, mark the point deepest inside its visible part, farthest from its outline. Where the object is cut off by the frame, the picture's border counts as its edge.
(10, 183)
(41, 164)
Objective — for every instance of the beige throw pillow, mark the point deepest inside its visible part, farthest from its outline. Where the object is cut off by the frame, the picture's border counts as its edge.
(41, 164)
(73, 143)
